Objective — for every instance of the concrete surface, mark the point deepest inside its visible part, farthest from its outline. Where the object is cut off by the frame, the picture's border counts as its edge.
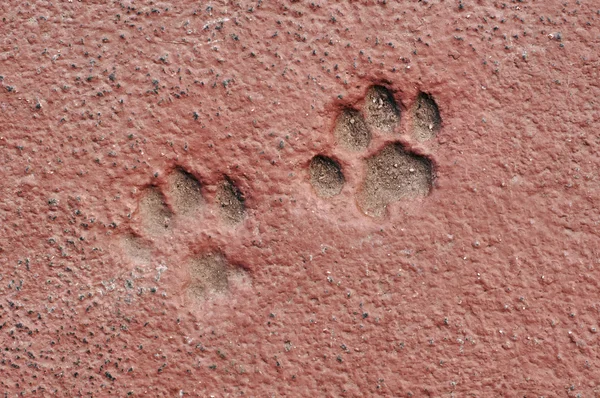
(162, 233)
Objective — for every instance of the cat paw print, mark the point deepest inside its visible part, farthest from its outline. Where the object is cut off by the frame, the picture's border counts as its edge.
(368, 140)
(171, 209)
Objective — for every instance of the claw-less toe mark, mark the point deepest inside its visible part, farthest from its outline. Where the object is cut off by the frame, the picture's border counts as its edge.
(326, 176)
(394, 174)
(154, 213)
(231, 202)
(185, 190)
(381, 110)
(426, 118)
(351, 130)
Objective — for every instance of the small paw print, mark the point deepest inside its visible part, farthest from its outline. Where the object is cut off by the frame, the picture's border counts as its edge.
(392, 171)
(166, 210)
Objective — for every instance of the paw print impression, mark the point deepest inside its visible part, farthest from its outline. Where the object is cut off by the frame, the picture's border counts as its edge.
(393, 172)
(170, 205)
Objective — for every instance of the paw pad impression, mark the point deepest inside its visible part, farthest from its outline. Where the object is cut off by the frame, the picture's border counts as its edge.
(381, 110)
(326, 176)
(211, 274)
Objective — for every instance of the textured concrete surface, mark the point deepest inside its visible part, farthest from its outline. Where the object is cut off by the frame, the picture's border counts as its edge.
(163, 234)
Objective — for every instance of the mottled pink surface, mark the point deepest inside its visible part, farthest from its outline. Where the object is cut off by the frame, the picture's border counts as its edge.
(486, 287)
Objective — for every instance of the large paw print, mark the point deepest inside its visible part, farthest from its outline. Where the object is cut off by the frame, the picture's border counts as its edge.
(393, 172)
(167, 207)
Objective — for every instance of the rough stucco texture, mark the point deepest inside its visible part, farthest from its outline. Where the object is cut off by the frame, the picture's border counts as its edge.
(162, 234)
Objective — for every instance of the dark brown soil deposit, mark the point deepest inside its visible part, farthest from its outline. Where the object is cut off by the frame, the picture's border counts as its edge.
(166, 232)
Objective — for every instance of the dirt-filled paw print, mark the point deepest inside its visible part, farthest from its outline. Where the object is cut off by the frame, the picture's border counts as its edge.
(372, 133)
(168, 209)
